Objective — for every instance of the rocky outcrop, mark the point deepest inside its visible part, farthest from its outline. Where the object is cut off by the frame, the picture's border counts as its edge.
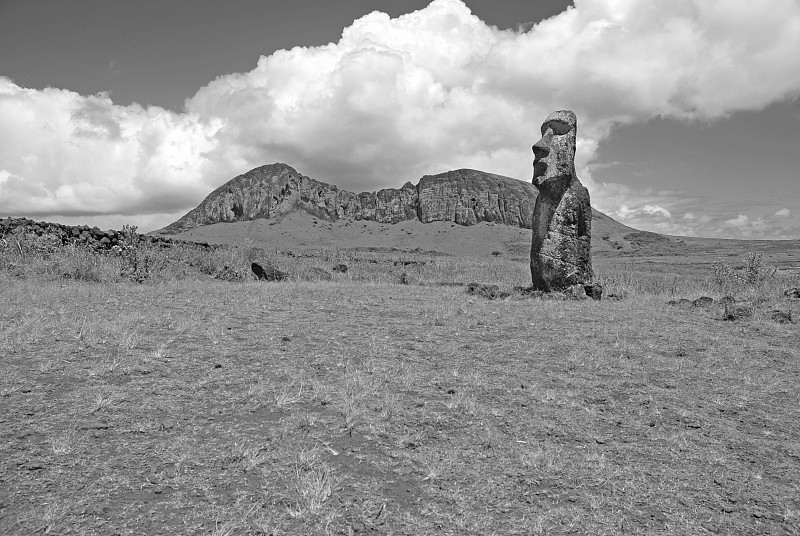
(464, 196)
(15, 228)
(467, 197)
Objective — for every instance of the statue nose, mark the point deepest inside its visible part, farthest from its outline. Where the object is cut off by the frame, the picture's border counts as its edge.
(540, 150)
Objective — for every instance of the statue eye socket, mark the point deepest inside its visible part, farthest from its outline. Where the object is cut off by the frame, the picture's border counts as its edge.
(559, 128)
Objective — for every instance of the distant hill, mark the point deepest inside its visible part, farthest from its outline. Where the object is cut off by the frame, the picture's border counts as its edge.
(464, 197)
(461, 212)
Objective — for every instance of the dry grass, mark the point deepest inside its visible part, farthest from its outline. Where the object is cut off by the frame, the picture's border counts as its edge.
(189, 406)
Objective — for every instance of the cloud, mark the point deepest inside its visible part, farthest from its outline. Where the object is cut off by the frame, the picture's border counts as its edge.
(63, 153)
(739, 221)
(783, 213)
(393, 99)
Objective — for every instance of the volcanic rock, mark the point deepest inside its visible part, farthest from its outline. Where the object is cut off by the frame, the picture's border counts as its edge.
(464, 196)
(467, 197)
(594, 291)
(781, 317)
(94, 237)
(703, 301)
(562, 216)
(491, 292)
(267, 272)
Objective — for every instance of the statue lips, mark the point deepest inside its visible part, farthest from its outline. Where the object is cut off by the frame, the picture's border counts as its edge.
(539, 168)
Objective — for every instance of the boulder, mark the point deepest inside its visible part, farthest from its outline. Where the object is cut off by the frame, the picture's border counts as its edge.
(562, 216)
(703, 301)
(594, 291)
(683, 302)
(577, 292)
(781, 317)
(491, 292)
(267, 272)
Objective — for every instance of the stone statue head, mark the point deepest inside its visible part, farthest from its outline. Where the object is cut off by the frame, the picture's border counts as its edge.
(554, 154)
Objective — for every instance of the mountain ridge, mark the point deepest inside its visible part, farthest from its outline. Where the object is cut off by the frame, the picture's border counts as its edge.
(463, 196)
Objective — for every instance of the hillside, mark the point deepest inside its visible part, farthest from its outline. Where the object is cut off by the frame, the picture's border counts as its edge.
(275, 206)
(461, 212)
(464, 196)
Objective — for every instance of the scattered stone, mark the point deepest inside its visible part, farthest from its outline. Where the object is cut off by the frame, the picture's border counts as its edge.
(491, 292)
(682, 302)
(267, 272)
(792, 293)
(594, 291)
(529, 292)
(562, 217)
(340, 268)
(781, 317)
(497, 253)
(577, 292)
(703, 301)
(168, 424)
(95, 425)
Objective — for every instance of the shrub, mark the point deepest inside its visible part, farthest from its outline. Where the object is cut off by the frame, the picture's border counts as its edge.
(751, 277)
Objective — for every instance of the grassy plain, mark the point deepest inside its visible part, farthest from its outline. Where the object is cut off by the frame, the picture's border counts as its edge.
(359, 405)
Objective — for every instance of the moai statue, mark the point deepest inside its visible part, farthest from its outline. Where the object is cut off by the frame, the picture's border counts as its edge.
(561, 254)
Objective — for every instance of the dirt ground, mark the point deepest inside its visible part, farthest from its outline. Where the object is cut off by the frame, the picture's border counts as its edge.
(349, 408)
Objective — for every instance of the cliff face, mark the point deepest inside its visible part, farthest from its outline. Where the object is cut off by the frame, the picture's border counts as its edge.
(465, 197)
(468, 197)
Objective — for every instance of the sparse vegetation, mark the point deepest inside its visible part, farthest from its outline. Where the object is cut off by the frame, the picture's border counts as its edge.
(184, 401)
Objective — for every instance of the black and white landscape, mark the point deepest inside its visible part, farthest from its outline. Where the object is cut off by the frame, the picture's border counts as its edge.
(276, 268)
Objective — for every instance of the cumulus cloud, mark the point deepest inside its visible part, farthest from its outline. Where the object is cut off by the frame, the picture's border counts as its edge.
(63, 153)
(393, 99)
(783, 213)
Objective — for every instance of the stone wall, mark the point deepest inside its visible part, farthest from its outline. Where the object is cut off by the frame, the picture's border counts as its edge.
(91, 236)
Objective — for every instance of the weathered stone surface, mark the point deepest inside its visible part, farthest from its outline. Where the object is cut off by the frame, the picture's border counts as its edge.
(703, 301)
(594, 291)
(464, 196)
(92, 237)
(467, 197)
(562, 216)
(491, 292)
(267, 272)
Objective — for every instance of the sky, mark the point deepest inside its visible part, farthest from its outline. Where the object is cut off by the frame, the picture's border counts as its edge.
(115, 112)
